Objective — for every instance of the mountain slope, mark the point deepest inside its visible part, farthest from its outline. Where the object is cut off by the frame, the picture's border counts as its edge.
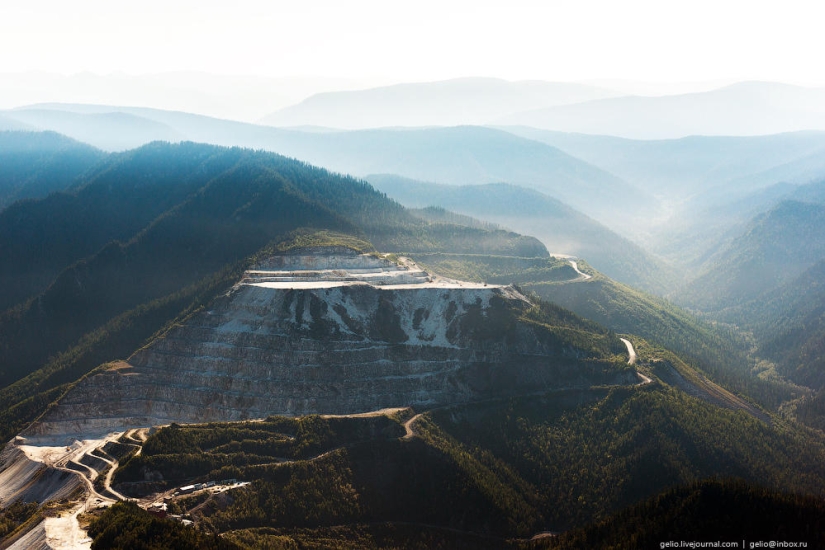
(711, 510)
(33, 164)
(789, 323)
(469, 155)
(777, 246)
(192, 215)
(118, 130)
(328, 330)
(720, 353)
(11, 125)
(461, 155)
(562, 229)
(113, 202)
(710, 186)
(503, 468)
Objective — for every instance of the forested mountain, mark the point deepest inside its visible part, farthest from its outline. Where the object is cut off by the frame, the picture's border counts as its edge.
(562, 229)
(710, 186)
(768, 281)
(789, 324)
(776, 247)
(33, 164)
(110, 130)
(719, 351)
(155, 230)
(471, 155)
(706, 511)
(483, 472)
(700, 235)
(117, 199)
(11, 125)
(461, 155)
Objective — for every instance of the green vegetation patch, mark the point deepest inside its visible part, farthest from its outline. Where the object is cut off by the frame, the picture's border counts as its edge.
(125, 526)
(711, 510)
(316, 239)
(395, 536)
(718, 350)
(17, 514)
(195, 453)
(588, 454)
(496, 269)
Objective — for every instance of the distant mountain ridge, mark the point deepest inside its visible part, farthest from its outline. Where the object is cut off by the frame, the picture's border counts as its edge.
(743, 109)
(459, 155)
(709, 186)
(690, 167)
(444, 103)
(33, 164)
(562, 229)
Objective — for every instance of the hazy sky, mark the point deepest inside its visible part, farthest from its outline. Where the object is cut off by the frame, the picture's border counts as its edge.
(421, 40)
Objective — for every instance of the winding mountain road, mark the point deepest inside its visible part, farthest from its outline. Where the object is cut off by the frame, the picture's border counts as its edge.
(631, 360)
(582, 276)
(408, 427)
(64, 531)
(630, 351)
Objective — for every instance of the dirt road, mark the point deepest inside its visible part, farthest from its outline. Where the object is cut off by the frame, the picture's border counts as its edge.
(64, 532)
(582, 276)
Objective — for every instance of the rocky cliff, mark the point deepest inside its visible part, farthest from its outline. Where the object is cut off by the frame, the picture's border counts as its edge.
(328, 331)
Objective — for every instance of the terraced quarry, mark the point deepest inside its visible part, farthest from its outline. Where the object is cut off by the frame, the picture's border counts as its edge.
(367, 342)
(327, 331)
(332, 332)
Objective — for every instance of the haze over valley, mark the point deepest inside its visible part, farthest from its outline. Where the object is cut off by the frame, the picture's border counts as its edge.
(457, 276)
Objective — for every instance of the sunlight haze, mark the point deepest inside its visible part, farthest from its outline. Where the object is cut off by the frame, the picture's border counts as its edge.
(559, 41)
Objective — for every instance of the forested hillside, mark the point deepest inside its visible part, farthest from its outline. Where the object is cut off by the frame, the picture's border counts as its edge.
(458, 155)
(788, 324)
(505, 469)
(719, 510)
(93, 272)
(33, 164)
(777, 247)
(720, 351)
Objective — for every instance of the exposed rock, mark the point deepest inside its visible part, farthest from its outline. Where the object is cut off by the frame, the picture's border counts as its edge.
(27, 480)
(328, 332)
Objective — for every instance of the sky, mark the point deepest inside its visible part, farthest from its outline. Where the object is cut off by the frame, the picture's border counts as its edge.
(394, 41)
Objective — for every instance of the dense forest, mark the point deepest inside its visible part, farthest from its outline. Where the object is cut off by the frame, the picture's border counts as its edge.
(726, 510)
(34, 164)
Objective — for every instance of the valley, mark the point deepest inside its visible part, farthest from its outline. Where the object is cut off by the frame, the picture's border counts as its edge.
(498, 333)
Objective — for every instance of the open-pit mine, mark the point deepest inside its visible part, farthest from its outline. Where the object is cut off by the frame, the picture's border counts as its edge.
(325, 330)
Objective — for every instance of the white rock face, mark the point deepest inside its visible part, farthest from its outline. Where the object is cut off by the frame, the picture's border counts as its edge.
(332, 332)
